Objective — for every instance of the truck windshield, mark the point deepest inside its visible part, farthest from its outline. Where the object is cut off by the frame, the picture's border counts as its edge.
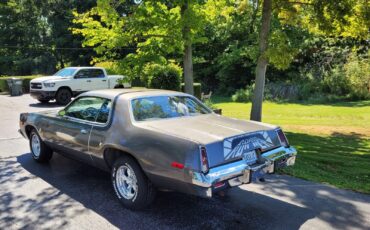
(161, 107)
(65, 72)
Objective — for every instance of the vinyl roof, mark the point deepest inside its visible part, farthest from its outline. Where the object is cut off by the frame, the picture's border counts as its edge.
(129, 93)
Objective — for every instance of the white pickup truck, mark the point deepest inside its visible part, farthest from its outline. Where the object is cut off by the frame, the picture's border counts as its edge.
(71, 81)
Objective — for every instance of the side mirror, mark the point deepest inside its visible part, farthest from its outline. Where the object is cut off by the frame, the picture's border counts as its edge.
(61, 112)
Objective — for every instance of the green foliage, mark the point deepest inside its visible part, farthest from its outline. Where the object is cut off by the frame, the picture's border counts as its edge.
(278, 91)
(357, 71)
(336, 82)
(243, 95)
(197, 89)
(111, 67)
(35, 36)
(209, 104)
(163, 76)
(135, 35)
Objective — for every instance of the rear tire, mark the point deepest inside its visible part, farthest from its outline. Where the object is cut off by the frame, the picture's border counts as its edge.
(43, 101)
(39, 150)
(63, 96)
(130, 184)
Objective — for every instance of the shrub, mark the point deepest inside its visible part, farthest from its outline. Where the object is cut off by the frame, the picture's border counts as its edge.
(163, 76)
(110, 67)
(243, 95)
(358, 73)
(336, 82)
(197, 89)
(281, 91)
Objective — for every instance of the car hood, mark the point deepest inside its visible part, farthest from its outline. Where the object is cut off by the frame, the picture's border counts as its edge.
(206, 129)
(48, 78)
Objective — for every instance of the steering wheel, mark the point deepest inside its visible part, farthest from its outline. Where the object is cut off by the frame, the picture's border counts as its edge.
(89, 113)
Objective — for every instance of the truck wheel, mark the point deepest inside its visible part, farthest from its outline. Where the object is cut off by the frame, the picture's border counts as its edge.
(63, 96)
(40, 151)
(131, 185)
(44, 101)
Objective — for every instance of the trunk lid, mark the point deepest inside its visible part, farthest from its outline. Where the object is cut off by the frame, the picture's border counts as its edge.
(225, 139)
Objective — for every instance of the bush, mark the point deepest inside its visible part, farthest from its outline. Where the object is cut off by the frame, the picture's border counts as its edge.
(243, 95)
(197, 89)
(358, 73)
(110, 67)
(281, 91)
(335, 82)
(163, 76)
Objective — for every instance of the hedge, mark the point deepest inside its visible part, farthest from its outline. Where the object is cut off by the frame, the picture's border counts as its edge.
(26, 82)
(197, 89)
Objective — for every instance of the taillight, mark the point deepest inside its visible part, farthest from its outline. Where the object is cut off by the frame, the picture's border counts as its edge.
(283, 140)
(204, 160)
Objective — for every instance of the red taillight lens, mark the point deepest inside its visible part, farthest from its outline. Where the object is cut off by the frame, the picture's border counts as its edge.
(283, 140)
(204, 160)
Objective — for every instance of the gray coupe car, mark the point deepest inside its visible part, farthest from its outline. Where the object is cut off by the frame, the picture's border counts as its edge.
(157, 140)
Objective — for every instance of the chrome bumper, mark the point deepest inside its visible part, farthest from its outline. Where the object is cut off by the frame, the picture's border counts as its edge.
(240, 172)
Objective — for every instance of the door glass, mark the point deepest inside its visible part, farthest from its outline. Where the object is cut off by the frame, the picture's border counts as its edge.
(97, 73)
(84, 73)
(86, 108)
(104, 112)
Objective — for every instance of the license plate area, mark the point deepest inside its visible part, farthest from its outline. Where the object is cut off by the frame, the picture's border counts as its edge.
(250, 157)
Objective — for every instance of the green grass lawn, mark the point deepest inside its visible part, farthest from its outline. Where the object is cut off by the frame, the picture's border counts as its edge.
(333, 140)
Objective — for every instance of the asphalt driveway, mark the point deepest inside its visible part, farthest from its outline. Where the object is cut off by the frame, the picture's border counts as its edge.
(70, 195)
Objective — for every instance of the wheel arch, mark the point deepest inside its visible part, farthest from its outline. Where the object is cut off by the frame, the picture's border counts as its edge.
(111, 154)
(28, 129)
(65, 87)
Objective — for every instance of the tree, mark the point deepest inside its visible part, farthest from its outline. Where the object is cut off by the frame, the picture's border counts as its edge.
(35, 36)
(154, 31)
(326, 17)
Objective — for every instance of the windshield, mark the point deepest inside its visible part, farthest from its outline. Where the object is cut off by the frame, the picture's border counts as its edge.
(65, 72)
(161, 107)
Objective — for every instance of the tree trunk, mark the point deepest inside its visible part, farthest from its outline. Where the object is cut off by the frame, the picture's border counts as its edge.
(188, 70)
(188, 59)
(256, 112)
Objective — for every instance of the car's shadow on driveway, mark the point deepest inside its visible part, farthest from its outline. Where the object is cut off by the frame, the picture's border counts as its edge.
(72, 181)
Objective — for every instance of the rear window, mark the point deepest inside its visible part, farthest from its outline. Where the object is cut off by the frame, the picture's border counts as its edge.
(163, 107)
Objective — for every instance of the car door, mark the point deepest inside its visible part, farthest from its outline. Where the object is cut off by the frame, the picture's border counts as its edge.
(82, 80)
(69, 134)
(91, 79)
(98, 79)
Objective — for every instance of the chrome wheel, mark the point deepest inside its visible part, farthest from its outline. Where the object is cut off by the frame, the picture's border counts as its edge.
(126, 182)
(36, 145)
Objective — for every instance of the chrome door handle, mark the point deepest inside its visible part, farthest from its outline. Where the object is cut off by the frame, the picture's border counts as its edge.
(83, 131)
(88, 81)
(104, 80)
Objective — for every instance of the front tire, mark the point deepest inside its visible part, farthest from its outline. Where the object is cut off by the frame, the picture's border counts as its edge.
(63, 96)
(40, 151)
(130, 184)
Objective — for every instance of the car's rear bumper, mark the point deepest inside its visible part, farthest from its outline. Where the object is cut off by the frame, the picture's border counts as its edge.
(237, 173)
(42, 95)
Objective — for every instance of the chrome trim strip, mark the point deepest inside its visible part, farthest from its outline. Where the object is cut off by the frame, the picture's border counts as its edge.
(228, 171)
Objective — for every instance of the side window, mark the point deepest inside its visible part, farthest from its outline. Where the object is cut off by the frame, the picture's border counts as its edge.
(83, 73)
(89, 109)
(104, 112)
(97, 73)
